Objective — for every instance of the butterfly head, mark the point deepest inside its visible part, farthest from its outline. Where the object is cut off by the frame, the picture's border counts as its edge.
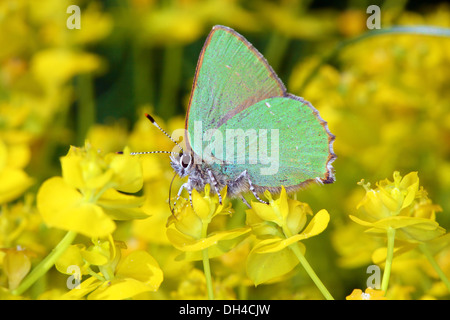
(182, 163)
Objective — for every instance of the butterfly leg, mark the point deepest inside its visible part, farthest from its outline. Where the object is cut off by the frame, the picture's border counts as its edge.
(245, 202)
(183, 186)
(214, 183)
(186, 186)
(245, 175)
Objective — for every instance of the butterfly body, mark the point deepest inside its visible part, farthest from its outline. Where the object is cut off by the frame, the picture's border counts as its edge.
(201, 174)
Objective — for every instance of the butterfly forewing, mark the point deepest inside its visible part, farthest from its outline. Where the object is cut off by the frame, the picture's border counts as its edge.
(231, 75)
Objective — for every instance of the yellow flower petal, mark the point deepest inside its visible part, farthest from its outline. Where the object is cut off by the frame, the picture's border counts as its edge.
(275, 244)
(298, 212)
(317, 224)
(411, 180)
(266, 212)
(267, 266)
(202, 207)
(260, 227)
(141, 266)
(369, 294)
(87, 286)
(127, 172)
(119, 206)
(276, 212)
(71, 169)
(72, 256)
(372, 206)
(360, 221)
(355, 295)
(14, 182)
(119, 289)
(94, 257)
(184, 242)
(16, 265)
(62, 207)
(188, 222)
(57, 65)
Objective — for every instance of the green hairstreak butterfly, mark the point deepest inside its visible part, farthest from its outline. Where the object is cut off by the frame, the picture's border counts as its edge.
(243, 130)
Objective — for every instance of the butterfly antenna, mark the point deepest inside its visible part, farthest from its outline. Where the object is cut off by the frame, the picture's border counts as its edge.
(149, 152)
(149, 117)
(146, 152)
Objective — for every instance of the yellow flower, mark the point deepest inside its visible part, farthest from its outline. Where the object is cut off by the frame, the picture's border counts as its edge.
(369, 294)
(193, 287)
(95, 25)
(352, 22)
(118, 277)
(57, 65)
(86, 169)
(278, 226)
(172, 26)
(390, 197)
(189, 231)
(353, 254)
(108, 138)
(20, 226)
(87, 198)
(16, 265)
(286, 20)
(14, 180)
(399, 205)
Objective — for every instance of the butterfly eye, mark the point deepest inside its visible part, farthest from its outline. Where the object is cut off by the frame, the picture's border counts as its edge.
(185, 160)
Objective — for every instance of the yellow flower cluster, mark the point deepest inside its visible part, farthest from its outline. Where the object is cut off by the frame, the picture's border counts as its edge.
(86, 199)
(100, 221)
(118, 277)
(401, 206)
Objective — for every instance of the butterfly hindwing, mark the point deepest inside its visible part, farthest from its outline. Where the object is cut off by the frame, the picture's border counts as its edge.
(285, 142)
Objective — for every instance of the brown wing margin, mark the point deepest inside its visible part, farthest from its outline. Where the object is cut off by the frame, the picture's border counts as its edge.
(329, 170)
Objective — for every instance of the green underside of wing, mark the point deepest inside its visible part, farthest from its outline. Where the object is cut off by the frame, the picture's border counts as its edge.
(279, 141)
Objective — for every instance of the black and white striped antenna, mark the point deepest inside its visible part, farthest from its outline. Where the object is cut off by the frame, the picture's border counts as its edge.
(149, 117)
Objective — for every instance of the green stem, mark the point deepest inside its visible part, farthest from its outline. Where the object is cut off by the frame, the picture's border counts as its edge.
(143, 83)
(170, 83)
(309, 270)
(86, 107)
(206, 266)
(45, 264)
(389, 258)
(423, 247)
(96, 275)
(294, 247)
(419, 30)
(242, 292)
